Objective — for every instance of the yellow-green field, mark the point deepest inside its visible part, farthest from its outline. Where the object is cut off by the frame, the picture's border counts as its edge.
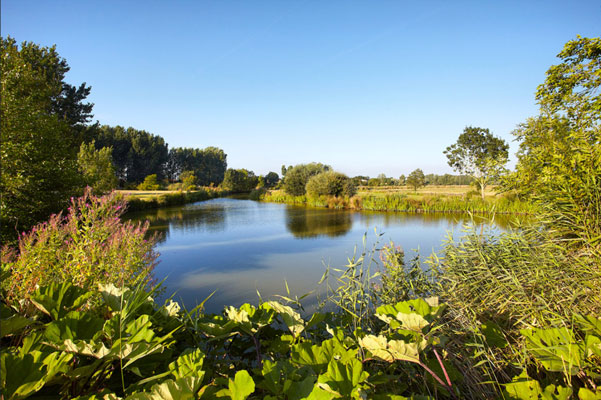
(144, 194)
(451, 190)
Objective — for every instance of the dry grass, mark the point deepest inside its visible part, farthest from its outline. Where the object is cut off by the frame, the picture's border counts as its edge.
(451, 190)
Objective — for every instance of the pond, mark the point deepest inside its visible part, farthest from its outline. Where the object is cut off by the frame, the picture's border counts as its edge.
(239, 248)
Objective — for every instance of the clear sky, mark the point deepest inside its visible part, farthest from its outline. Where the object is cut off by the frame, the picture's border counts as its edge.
(368, 87)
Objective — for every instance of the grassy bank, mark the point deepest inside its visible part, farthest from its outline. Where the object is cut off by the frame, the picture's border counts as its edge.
(409, 202)
(145, 200)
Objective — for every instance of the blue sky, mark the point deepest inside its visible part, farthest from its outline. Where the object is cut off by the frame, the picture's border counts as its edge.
(368, 87)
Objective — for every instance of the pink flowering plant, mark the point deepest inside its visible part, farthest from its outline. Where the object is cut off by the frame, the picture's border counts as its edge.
(88, 245)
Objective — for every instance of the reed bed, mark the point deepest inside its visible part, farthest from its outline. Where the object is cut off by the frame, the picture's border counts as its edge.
(410, 203)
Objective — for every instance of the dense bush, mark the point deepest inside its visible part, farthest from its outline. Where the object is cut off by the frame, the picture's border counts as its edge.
(239, 180)
(89, 245)
(330, 183)
(150, 183)
(296, 178)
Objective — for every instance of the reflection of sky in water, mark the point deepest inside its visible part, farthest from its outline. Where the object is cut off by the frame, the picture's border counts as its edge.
(239, 247)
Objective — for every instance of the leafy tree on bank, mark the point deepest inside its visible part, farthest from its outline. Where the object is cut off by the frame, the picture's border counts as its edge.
(479, 154)
(39, 121)
(239, 180)
(330, 183)
(97, 167)
(416, 179)
(271, 180)
(209, 164)
(297, 177)
(136, 153)
(189, 180)
(559, 159)
(150, 183)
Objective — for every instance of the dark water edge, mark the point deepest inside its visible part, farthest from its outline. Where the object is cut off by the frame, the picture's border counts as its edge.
(240, 248)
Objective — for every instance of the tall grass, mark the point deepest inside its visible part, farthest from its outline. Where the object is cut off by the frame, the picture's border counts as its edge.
(173, 199)
(506, 204)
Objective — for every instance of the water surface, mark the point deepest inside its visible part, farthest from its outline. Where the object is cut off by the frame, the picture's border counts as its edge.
(239, 248)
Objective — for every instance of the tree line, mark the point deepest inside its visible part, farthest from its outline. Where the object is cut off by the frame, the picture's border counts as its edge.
(51, 150)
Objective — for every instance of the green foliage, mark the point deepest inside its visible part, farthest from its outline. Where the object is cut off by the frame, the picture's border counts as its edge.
(559, 161)
(271, 180)
(136, 153)
(209, 165)
(478, 154)
(40, 121)
(172, 199)
(189, 180)
(416, 179)
(90, 245)
(330, 183)
(97, 167)
(239, 180)
(296, 178)
(150, 183)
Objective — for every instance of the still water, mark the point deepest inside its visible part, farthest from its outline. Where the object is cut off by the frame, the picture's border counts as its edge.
(240, 247)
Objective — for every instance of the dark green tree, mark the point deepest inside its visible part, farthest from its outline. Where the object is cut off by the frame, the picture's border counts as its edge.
(209, 165)
(479, 154)
(239, 180)
(97, 167)
(136, 153)
(39, 147)
(271, 180)
(298, 176)
(416, 179)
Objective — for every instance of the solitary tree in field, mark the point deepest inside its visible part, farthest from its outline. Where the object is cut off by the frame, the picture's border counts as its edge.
(478, 154)
(416, 179)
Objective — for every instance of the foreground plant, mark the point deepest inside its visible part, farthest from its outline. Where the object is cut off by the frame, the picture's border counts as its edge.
(87, 246)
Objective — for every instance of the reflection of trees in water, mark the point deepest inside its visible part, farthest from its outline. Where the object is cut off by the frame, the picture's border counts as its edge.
(181, 218)
(308, 222)
(503, 221)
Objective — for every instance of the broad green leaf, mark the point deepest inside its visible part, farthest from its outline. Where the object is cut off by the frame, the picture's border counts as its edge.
(301, 389)
(23, 375)
(189, 363)
(524, 388)
(75, 325)
(180, 389)
(555, 348)
(11, 322)
(291, 318)
(412, 322)
(57, 299)
(112, 295)
(343, 379)
(318, 356)
(241, 386)
(379, 347)
(592, 346)
(586, 394)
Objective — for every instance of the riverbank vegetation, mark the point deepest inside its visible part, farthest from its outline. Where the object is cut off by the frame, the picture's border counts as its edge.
(513, 315)
(408, 202)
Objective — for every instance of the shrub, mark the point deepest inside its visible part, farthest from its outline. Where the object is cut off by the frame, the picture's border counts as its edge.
(330, 183)
(150, 183)
(89, 245)
(297, 177)
(239, 180)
